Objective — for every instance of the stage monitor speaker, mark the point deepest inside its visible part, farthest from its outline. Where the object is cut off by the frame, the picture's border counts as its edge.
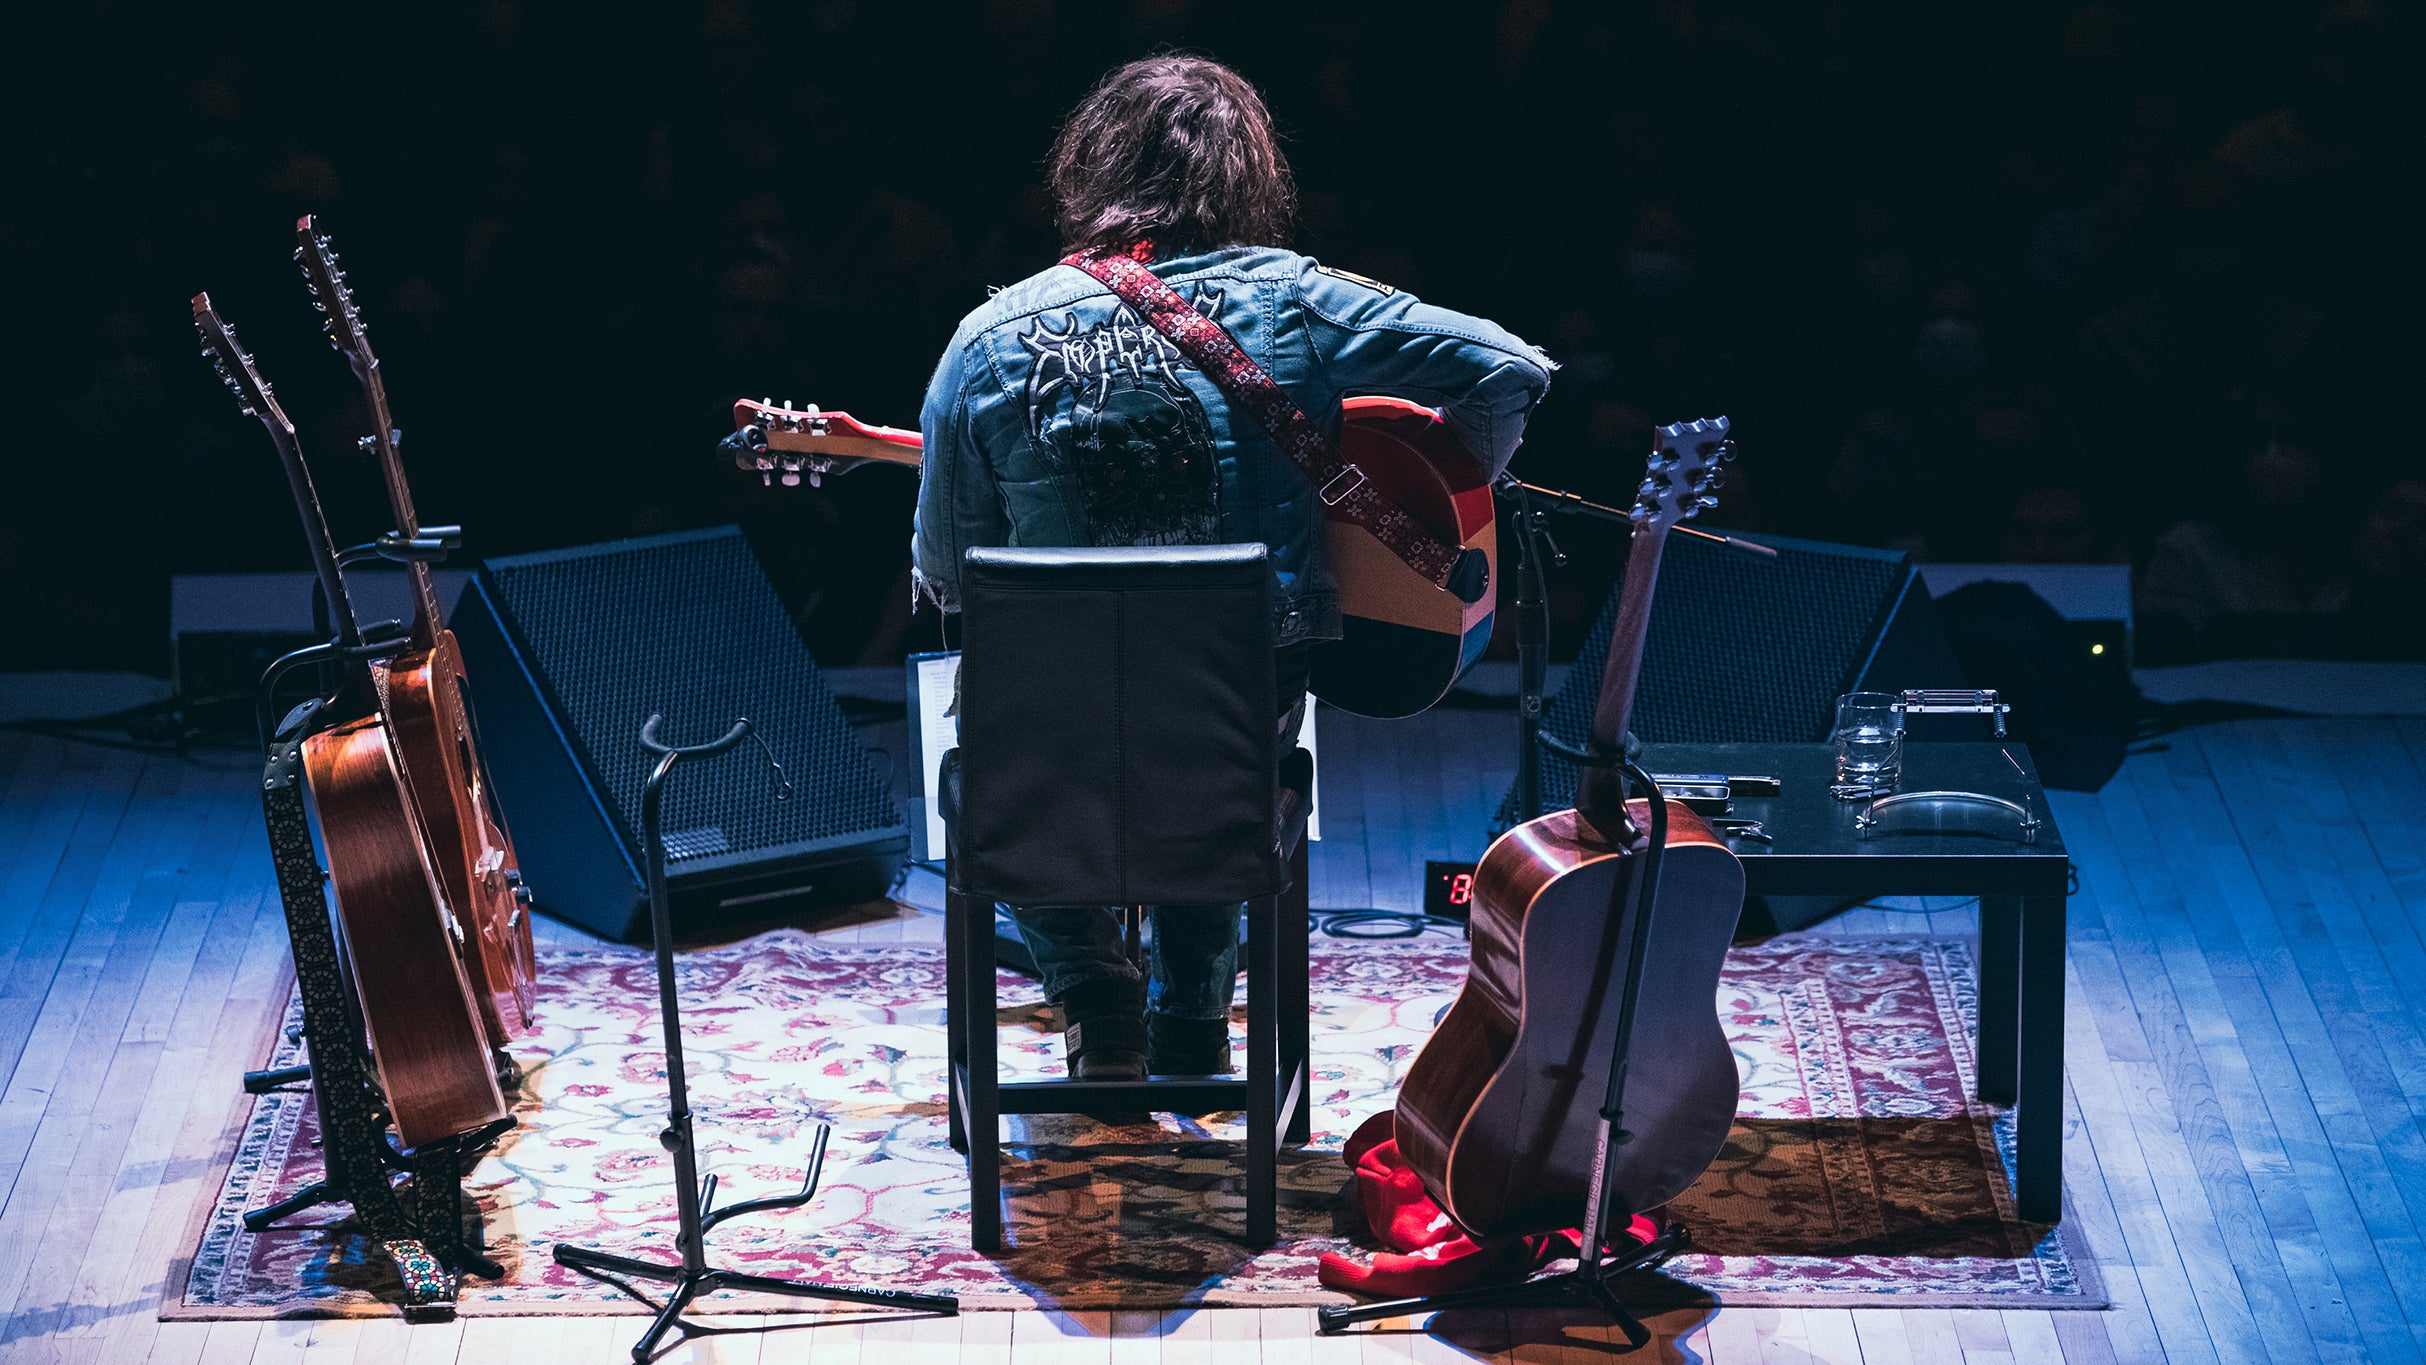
(571, 651)
(1746, 648)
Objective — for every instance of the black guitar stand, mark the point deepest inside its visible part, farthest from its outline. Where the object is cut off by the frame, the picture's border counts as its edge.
(694, 1198)
(425, 1238)
(1588, 1284)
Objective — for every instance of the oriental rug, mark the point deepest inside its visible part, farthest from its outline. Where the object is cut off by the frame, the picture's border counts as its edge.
(1858, 1171)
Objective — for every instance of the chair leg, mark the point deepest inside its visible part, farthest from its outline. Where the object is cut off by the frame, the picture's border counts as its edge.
(955, 1014)
(1263, 1052)
(1297, 998)
(983, 1119)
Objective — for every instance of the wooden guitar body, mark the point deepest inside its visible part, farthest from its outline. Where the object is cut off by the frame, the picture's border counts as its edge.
(1404, 642)
(1497, 1112)
(417, 1008)
(427, 700)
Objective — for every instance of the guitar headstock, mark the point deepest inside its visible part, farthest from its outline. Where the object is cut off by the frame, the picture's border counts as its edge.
(781, 441)
(338, 315)
(220, 347)
(1686, 468)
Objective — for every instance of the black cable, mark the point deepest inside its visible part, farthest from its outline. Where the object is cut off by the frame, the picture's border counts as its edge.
(1390, 924)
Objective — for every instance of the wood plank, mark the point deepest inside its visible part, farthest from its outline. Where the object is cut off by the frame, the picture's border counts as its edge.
(141, 1073)
(64, 1054)
(45, 901)
(436, 1343)
(2129, 1124)
(1882, 1337)
(2227, 971)
(2308, 1090)
(2085, 1189)
(204, 1062)
(987, 1336)
(2344, 1072)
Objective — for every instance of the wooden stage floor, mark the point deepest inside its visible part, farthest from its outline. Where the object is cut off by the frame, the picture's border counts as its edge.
(2246, 1054)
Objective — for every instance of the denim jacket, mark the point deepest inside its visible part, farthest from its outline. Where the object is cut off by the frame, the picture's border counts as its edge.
(1059, 417)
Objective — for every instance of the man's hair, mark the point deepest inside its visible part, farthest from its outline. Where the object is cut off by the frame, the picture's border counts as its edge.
(1175, 149)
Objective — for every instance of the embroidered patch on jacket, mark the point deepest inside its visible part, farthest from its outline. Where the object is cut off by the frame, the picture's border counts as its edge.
(1353, 278)
(1109, 400)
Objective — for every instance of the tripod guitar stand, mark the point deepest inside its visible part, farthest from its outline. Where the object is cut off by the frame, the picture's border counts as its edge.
(695, 1199)
(1588, 1284)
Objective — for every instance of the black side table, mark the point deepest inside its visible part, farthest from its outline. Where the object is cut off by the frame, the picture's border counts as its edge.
(1817, 850)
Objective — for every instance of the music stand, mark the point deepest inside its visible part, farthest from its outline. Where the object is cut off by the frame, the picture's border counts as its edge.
(694, 1199)
(1588, 1283)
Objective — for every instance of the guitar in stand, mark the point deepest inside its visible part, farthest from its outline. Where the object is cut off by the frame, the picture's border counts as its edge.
(1405, 641)
(1598, 935)
(429, 702)
(695, 1199)
(397, 1038)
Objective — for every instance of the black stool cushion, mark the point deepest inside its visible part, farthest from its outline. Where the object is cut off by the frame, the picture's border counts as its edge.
(1117, 744)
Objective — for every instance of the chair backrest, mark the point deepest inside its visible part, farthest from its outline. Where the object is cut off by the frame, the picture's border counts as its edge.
(1117, 726)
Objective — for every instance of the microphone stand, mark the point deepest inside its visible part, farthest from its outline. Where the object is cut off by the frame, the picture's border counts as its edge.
(694, 1198)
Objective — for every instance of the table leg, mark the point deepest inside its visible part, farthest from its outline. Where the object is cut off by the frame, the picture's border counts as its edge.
(2000, 996)
(2038, 1137)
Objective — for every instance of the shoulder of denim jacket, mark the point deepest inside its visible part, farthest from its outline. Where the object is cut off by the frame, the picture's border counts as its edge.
(1353, 278)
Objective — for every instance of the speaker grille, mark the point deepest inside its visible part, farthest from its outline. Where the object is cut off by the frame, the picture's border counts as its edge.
(1742, 648)
(687, 626)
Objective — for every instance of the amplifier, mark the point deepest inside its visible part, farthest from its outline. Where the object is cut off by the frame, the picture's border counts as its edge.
(571, 651)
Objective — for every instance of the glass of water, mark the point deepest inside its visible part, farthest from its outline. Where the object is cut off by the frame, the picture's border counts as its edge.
(1869, 739)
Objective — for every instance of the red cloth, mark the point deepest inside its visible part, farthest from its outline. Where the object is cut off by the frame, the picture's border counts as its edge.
(1425, 1252)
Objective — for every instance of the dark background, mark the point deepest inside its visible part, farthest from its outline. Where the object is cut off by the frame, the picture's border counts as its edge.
(1986, 282)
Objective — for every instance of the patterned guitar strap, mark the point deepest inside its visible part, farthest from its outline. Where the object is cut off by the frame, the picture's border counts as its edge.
(1342, 486)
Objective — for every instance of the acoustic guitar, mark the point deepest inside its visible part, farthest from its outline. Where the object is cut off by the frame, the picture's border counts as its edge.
(402, 942)
(429, 702)
(1404, 641)
(1499, 1113)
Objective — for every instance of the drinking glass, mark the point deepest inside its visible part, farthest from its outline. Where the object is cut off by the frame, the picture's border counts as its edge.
(1869, 739)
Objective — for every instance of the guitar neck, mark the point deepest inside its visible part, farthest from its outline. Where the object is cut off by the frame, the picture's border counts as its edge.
(427, 618)
(1614, 708)
(316, 536)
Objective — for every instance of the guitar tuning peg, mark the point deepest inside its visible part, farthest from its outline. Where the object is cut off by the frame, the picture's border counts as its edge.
(1705, 502)
(791, 478)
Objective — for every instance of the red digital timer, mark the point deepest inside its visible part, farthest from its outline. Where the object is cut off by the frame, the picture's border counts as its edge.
(1448, 889)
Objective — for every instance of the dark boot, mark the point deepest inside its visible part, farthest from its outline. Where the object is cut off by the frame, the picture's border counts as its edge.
(1187, 1047)
(1104, 1030)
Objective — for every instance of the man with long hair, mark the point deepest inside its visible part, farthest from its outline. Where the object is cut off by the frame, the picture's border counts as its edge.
(1059, 416)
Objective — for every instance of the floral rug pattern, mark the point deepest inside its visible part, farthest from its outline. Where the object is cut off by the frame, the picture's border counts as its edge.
(1857, 1170)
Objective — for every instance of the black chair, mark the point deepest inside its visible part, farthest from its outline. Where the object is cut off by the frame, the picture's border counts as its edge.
(1119, 746)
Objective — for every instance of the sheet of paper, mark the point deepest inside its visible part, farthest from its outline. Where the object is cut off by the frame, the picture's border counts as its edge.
(1305, 741)
(938, 733)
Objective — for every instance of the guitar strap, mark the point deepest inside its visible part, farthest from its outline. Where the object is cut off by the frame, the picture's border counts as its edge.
(1341, 485)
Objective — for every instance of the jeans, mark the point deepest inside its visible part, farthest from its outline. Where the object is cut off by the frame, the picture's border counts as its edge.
(1192, 957)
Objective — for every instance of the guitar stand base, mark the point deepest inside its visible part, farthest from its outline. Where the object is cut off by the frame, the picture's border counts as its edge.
(1587, 1285)
(615, 1271)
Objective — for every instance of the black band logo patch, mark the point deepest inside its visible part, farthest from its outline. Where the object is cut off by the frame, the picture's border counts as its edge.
(1110, 402)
